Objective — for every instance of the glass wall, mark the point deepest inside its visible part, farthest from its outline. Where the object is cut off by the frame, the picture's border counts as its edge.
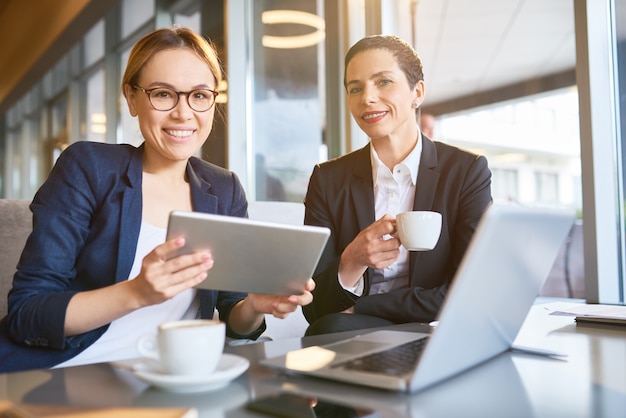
(619, 19)
(532, 145)
(278, 96)
(276, 106)
(599, 36)
(93, 83)
(128, 132)
(80, 99)
(287, 102)
(134, 14)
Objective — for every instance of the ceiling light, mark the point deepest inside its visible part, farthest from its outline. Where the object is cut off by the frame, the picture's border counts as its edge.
(273, 17)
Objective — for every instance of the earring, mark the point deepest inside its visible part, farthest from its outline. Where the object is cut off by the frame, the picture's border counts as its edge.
(415, 104)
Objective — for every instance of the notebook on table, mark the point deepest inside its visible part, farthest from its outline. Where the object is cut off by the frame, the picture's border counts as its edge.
(503, 270)
(251, 256)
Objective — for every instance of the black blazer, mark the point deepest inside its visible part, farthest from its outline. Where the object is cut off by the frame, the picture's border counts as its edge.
(340, 196)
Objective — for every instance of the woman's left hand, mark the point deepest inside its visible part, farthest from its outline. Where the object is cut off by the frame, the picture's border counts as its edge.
(281, 306)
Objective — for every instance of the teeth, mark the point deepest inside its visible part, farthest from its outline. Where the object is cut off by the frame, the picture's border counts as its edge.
(373, 115)
(179, 134)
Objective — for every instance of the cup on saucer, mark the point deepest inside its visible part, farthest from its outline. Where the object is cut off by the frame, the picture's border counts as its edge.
(187, 347)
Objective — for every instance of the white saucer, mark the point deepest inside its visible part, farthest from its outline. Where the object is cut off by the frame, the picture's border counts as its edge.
(230, 367)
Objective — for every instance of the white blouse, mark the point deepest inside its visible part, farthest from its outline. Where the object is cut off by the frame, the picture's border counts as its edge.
(120, 339)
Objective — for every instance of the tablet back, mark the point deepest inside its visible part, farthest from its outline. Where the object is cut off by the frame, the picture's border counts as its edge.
(251, 256)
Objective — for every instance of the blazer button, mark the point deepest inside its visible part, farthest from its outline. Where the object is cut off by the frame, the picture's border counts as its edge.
(36, 342)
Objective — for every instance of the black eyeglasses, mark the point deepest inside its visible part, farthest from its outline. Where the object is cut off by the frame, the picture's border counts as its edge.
(164, 99)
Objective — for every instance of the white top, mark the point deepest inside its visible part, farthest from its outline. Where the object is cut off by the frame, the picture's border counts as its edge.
(394, 192)
(119, 341)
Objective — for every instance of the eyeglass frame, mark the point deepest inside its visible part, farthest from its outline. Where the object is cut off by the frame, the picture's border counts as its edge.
(178, 93)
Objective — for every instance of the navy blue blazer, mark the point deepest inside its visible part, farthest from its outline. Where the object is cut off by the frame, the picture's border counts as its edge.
(86, 221)
(340, 196)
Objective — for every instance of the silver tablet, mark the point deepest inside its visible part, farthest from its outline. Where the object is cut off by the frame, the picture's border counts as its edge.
(251, 256)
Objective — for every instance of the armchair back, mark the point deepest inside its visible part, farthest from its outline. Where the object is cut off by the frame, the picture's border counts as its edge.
(15, 226)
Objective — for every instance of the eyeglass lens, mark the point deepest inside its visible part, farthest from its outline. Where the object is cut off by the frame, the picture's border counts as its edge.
(167, 99)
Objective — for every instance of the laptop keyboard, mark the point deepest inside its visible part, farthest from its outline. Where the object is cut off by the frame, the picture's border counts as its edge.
(395, 361)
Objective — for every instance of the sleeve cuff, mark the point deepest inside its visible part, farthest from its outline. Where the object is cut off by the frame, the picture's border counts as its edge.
(356, 290)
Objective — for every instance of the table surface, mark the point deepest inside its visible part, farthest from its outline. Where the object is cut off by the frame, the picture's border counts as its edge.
(591, 382)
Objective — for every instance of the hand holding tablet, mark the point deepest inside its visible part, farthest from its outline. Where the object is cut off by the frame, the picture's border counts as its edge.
(251, 256)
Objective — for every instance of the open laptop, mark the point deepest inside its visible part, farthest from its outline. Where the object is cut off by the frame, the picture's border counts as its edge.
(251, 256)
(503, 270)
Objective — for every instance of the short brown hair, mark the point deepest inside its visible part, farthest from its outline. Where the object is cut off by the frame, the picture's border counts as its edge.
(407, 58)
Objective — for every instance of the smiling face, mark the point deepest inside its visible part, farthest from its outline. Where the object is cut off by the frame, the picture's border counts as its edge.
(173, 135)
(379, 96)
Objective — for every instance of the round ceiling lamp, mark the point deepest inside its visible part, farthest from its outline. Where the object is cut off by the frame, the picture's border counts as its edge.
(274, 17)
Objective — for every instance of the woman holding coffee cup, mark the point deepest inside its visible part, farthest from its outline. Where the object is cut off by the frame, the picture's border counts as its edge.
(96, 273)
(366, 277)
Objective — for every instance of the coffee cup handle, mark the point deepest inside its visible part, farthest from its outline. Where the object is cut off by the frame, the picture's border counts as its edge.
(147, 346)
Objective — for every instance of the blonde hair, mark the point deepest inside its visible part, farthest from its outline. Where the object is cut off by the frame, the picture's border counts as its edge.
(170, 38)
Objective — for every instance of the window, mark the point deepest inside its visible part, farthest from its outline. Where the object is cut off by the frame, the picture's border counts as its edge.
(620, 30)
(504, 186)
(134, 14)
(187, 13)
(547, 187)
(600, 78)
(285, 138)
(128, 131)
(93, 44)
(532, 145)
(96, 116)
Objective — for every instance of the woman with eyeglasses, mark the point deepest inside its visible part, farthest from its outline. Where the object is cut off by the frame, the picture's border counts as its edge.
(96, 272)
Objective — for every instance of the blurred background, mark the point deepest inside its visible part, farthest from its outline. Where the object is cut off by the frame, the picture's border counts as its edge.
(534, 85)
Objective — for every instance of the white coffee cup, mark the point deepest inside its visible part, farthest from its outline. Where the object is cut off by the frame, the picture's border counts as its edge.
(418, 230)
(186, 347)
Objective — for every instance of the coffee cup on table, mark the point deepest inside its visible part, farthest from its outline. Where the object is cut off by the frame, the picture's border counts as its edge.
(418, 230)
(186, 347)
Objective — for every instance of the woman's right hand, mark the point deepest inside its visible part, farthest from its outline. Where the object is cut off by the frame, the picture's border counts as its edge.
(372, 247)
(163, 275)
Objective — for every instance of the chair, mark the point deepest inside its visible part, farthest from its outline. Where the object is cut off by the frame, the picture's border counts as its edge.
(567, 276)
(15, 227)
(289, 213)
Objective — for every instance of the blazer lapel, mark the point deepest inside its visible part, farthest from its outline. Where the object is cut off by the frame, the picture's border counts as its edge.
(130, 218)
(427, 179)
(361, 189)
(202, 201)
(201, 197)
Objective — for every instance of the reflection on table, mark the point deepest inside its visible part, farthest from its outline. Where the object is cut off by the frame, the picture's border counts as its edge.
(590, 382)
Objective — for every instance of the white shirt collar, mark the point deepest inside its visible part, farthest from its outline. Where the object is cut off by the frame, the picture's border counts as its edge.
(411, 161)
